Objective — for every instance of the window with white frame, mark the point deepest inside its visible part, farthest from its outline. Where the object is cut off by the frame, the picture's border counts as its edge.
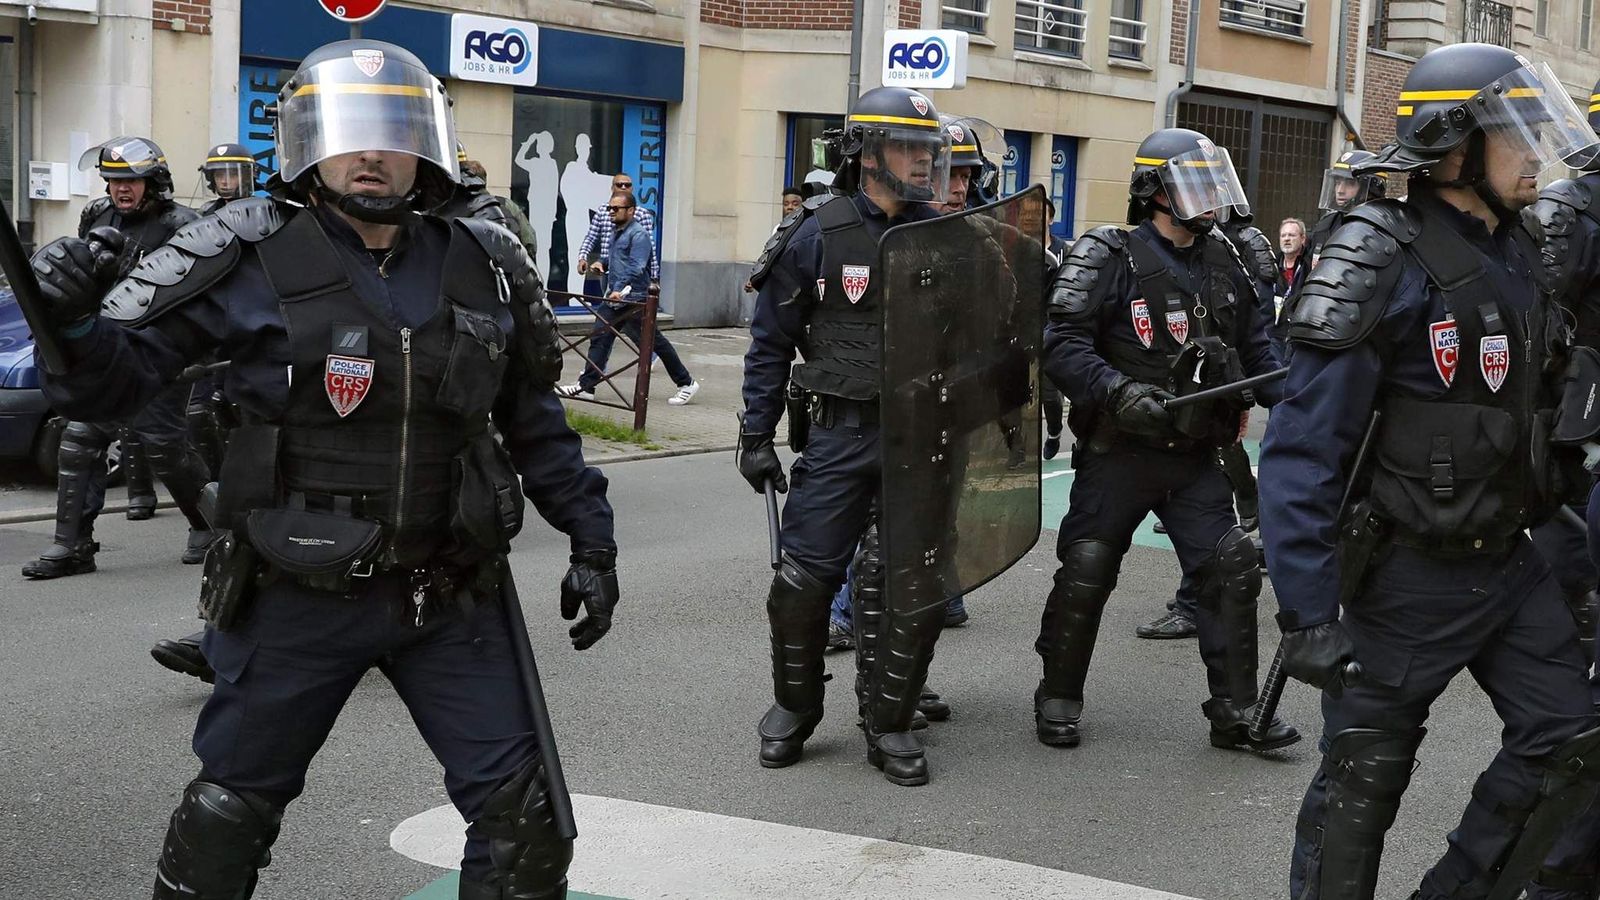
(1127, 37)
(965, 15)
(1273, 16)
(1585, 24)
(1051, 26)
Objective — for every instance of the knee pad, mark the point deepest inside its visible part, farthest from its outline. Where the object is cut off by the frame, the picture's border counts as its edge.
(1368, 770)
(1090, 564)
(1235, 569)
(217, 840)
(794, 578)
(530, 858)
(82, 447)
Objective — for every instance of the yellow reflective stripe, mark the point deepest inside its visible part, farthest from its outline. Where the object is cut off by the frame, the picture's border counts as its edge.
(1199, 163)
(212, 159)
(1148, 161)
(1340, 165)
(1402, 111)
(397, 90)
(115, 164)
(964, 148)
(1594, 107)
(1438, 95)
(1594, 98)
(1525, 92)
(895, 120)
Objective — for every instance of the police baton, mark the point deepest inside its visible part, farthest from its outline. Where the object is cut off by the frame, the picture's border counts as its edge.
(195, 373)
(1272, 693)
(19, 272)
(543, 732)
(1227, 390)
(771, 491)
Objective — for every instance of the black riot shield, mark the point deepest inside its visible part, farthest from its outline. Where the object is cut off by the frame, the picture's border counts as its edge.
(963, 302)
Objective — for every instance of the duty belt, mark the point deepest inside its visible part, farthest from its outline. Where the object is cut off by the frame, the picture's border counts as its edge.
(828, 411)
(1463, 545)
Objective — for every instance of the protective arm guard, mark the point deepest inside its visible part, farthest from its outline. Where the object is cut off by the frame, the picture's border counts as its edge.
(780, 239)
(1555, 221)
(91, 214)
(1073, 295)
(1345, 295)
(537, 343)
(1260, 260)
(198, 256)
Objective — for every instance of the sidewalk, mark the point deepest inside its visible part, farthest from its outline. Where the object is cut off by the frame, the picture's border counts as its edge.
(714, 356)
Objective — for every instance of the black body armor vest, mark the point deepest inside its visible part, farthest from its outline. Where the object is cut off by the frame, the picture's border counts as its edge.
(1470, 468)
(843, 337)
(141, 233)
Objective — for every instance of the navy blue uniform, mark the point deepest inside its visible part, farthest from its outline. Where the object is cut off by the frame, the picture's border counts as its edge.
(835, 480)
(1421, 615)
(284, 673)
(1121, 477)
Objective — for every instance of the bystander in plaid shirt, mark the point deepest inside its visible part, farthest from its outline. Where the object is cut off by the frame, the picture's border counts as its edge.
(601, 230)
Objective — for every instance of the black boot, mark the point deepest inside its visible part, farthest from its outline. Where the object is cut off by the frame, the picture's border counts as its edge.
(136, 472)
(1230, 728)
(183, 655)
(1067, 634)
(60, 561)
(183, 471)
(1236, 584)
(933, 706)
(899, 674)
(73, 546)
(194, 551)
(797, 611)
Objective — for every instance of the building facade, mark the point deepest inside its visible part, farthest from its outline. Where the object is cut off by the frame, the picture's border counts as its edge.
(712, 105)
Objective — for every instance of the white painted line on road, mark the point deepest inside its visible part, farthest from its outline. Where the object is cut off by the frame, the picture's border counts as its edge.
(640, 850)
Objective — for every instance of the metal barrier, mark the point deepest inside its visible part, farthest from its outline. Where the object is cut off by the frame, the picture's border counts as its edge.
(644, 313)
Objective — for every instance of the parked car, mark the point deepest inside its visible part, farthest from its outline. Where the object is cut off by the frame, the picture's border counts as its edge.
(29, 429)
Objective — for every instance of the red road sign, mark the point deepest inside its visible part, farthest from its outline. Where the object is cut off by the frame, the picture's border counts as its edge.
(352, 10)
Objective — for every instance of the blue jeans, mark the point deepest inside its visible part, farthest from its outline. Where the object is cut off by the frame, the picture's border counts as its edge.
(601, 338)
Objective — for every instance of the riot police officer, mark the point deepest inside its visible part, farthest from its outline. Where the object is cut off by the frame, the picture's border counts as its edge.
(1344, 187)
(1135, 316)
(369, 504)
(1421, 333)
(229, 173)
(817, 295)
(138, 206)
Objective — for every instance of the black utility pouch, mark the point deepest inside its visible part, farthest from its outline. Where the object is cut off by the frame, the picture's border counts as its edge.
(228, 581)
(486, 506)
(316, 544)
(798, 405)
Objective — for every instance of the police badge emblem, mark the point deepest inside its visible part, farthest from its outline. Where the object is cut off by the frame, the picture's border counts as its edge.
(1494, 359)
(1141, 322)
(368, 61)
(1445, 341)
(855, 280)
(1178, 326)
(347, 380)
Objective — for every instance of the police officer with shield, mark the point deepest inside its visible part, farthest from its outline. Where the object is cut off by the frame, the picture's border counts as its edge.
(368, 503)
(1135, 318)
(1422, 334)
(819, 297)
(138, 206)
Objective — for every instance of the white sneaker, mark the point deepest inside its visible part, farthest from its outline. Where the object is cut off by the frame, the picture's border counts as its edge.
(574, 391)
(684, 394)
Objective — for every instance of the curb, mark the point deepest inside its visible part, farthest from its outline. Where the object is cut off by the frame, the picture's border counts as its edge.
(45, 513)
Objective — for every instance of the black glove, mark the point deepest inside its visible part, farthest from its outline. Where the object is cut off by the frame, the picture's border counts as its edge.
(592, 584)
(75, 274)
(1318, 655)
(1138, 408)
(759, 463)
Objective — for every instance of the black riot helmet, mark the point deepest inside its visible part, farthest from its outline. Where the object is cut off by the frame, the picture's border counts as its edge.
(894, 128)
(229, 171)
(351, 96)
(1455, 94)
(977, 144)
(1343, 189)
(469, 179)
(1195, 174)
(128, 156)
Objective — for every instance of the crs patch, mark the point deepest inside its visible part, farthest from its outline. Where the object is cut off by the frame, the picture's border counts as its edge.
(1494, 359)
(347, 380)
(1445, 341)
(1178, 326)
(370, 62)
(855, 279)
(1141, 321)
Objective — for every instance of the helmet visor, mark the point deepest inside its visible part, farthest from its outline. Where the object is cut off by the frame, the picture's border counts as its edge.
(363, 102)
(1202, 181)
(913, 163)
(229, 180)
(1342, 190)
(123, 157)
(1530, 110)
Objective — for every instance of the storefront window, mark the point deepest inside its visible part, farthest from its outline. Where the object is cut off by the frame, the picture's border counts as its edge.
(802, 131)
(564, 152)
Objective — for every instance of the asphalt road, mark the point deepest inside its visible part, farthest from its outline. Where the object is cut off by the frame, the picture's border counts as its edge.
(94, 736)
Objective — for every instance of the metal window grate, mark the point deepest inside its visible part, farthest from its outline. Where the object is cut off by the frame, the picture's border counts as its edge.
(1127, 36)
(1275, 16)
(1487, 22)
(966, 15)
(1051, 27)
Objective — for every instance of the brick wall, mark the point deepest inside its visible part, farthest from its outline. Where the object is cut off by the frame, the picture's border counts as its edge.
(1180, 33)
(195, 15)
(1353, 43)
(817, 15)
(910, 14)
(1385, 75)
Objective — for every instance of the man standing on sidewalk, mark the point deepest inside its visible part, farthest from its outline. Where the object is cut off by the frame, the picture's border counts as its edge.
(627, 277)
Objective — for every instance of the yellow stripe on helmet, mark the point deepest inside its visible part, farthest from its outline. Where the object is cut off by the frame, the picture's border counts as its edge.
(396, 90)
(212, 159)
(1148, 161)
(1438, 95)
(964, 148)
(1403, 110)
(894, 120)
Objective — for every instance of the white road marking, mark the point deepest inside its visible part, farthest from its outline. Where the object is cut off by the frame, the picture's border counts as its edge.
(639, 850)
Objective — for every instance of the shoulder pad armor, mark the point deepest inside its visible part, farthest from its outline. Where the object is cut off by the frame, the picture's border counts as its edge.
(1392, 216)
(537, 336)
(197, 257)
(91, 213)
(1554, 222)
(1263, 262)
(1072, 294)
(176, 215)
(1577, 193)
(780, 238)
(1345, 294)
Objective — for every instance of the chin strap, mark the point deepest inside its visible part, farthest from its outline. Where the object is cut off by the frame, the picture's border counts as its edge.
(377, 210)
(1474, 176)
